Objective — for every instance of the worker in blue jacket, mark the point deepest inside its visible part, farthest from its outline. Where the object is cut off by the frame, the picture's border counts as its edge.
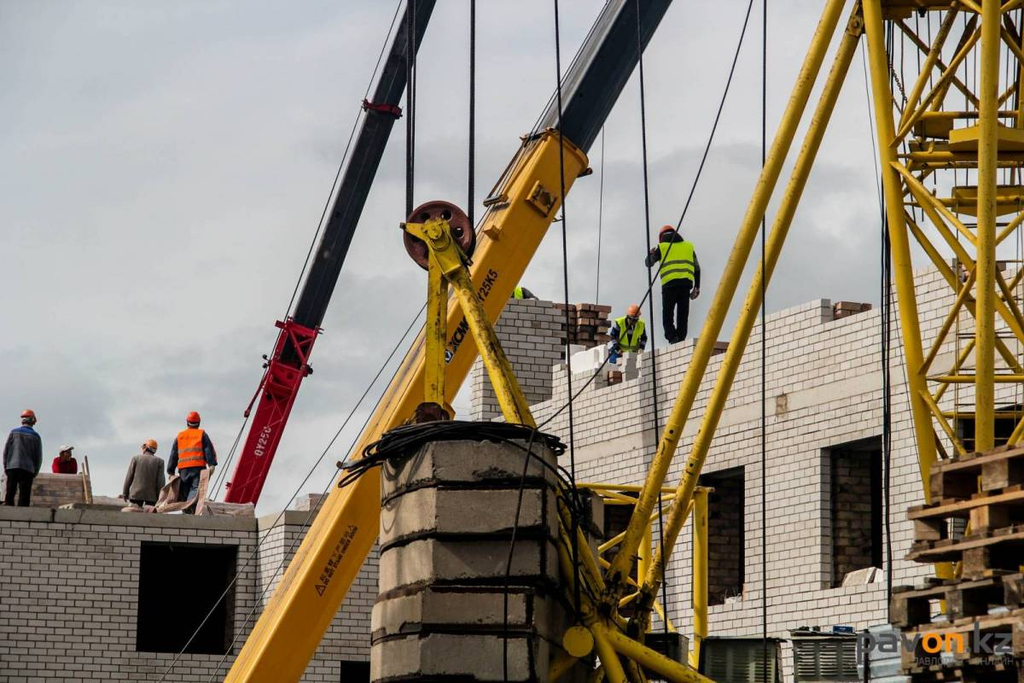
(192, 452)
(23, 457)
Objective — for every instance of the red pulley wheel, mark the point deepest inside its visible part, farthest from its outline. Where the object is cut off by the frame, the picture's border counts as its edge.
(462, 231)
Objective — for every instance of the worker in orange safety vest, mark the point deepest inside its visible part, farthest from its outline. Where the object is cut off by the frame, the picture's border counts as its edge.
(191, 452)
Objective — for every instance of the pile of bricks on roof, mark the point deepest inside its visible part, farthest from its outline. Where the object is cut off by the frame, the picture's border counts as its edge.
(843, 309)
(588, 323)
(986, 602)
(53, 490)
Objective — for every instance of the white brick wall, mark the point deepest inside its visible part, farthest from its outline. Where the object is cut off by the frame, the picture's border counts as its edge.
(69, 594)
(830, 373)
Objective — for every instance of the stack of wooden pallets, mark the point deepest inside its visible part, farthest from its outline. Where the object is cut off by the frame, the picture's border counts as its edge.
(976, 520)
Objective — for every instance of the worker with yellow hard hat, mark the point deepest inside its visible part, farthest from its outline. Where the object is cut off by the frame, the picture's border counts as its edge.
(191, 452)
(627, 334)
(680, 280)
(145, 476)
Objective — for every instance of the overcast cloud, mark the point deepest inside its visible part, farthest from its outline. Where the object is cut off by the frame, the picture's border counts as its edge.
(165, 165)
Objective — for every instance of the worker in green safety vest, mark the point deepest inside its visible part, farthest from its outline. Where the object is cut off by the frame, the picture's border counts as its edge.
(627, 334)
(680, 280)
(521, 292)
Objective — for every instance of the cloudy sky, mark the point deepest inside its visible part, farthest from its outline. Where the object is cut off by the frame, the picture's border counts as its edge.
(165, 166)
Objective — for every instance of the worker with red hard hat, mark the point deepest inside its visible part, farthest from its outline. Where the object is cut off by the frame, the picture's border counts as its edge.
(680, 280)
(191, 452)
(23, 457)
(627, 334)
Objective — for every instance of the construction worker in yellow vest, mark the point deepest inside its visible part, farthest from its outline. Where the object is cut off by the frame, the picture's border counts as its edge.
(191, 453)
(680, 280)
(628, 334)
(521, 292)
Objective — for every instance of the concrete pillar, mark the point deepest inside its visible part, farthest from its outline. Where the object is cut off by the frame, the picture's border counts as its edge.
(446, 524)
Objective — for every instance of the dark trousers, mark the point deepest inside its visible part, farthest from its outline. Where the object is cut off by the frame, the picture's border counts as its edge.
(20, 480)
(675, 309)
(189, 486)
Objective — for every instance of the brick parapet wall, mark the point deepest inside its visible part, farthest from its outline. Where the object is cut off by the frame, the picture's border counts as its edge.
(53, 490)
(69, 594)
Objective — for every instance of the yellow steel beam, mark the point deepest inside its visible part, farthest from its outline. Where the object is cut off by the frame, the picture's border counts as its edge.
(988, 153)
(723, 297)
(1010, 227)
(333, 550)
(436, 331)
(902, 262)
(748, 314)
(931, 58)
(510, 397)
(943, 423)
(924, 47)
(972, 379)
(699, 593)
(655, 661)
(947, 323)
(938, 91)
(957, 364)
(933, 208)
(969, 302)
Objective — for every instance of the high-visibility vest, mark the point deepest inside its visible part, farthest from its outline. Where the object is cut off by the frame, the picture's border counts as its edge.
(517, 293)
(190, 449)
(629, 342)
(677, 261)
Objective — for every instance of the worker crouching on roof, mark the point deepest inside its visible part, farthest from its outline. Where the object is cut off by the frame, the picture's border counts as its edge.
(145, 476)
(23, 457)
(628, 334)
(680, 281)
(64, 463)
(191, 452)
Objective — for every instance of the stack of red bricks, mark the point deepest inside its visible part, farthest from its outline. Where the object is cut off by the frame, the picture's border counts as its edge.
(984, 628)
(843, 309)
(588, 324)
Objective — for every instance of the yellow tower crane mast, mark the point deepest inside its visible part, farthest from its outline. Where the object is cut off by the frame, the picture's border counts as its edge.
(952, 186)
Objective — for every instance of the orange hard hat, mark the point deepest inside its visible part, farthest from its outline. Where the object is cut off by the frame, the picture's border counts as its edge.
(633, 311)
(28, 414)
(193, 418)
(666, 228)
(150, 445)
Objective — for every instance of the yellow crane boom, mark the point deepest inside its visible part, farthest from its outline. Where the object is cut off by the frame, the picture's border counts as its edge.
(521, 208)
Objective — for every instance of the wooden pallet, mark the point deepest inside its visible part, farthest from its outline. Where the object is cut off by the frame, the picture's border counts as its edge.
(912, 607)
(1010, 623)
(999, 468)
(985, 511)
(982, 555)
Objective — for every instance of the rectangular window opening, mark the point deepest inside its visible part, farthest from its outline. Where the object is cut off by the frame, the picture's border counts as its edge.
(355, 671)
(856, 516)
(726, 534)
(179, 584)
